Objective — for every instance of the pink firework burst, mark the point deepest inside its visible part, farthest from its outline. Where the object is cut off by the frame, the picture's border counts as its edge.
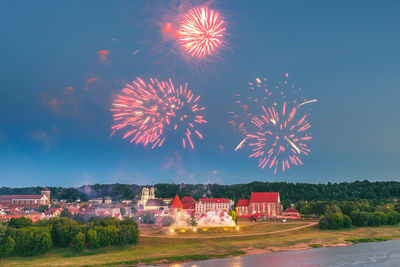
(146, 110)
(274, 127)
(201, 32)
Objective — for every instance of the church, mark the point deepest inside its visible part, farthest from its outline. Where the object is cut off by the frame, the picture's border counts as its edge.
(29, 201)
(267, 204)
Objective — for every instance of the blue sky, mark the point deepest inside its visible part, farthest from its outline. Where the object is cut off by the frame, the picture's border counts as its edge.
(345, 53)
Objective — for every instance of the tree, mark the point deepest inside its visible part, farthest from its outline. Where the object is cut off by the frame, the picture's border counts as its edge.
(20, 222)
(333, 221)
(234, 216)
(43, 208)
(359, 218)
(66, 213)
(3, 228)
(7, 245)
(122, 210)
(393, 217)
(167, 221)
(286, 203)
(78, 243)
(193, 221)
(93, 238)
(148, 218)
(31, 240)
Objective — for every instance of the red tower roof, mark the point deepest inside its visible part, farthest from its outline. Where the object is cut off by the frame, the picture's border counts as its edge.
(176, 203)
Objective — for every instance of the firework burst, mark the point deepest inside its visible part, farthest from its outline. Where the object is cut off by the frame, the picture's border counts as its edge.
(201, 32)
(274, 125)
(145, 111)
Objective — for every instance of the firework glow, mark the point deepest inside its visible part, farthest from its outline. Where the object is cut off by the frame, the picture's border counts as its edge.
(274, 125)
(146, 111)
(201, 32)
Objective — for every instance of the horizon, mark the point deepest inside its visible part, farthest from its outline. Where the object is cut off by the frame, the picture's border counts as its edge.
(64, 63)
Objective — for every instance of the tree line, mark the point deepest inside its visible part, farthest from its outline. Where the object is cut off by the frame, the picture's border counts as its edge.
(288, 191)
(22, 237)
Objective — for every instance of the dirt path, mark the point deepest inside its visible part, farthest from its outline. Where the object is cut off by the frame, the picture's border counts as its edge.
(227, 236)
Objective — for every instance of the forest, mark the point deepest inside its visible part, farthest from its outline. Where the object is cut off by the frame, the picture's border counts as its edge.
(376, 191)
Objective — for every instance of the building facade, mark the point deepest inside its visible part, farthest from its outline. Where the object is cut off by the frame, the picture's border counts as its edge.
(26, 200)
(146, 195)
(267, 204)
(205, 205)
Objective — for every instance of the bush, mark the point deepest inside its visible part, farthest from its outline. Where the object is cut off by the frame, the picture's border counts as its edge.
(377, 218)
(3, 228)
(148, 218)
(20, 222)
(347, 222)
(167, 221)
(359, 218)
(393, 217)
(31, 240)
(7, 245)
(128, 232)
(93, 239)
(63, 230)
(78, 243)
(331, 221)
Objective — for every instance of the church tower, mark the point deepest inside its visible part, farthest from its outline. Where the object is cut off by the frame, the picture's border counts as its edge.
(152, 195)
(46, 192)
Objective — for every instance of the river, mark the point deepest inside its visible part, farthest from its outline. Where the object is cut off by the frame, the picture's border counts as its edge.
(365, 254)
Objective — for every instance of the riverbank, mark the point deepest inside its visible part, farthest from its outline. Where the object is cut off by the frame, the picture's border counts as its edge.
(163, 248)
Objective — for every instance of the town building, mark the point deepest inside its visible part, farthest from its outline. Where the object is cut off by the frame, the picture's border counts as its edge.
(146, 195)
(107, 200)
(291, 213)
(26, 200)
(155, 204)
(188, 205)
(267, 204)
(96, 201)
(205, 205)
(176, 205)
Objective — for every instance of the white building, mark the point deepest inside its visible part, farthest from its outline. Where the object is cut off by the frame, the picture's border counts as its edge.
(205, 205)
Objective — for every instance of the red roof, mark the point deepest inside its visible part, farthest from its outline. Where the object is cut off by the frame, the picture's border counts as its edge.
(270, 197)
(176, 203)
(188, 203)
(243, 202)
(20, 196)
(214, 200)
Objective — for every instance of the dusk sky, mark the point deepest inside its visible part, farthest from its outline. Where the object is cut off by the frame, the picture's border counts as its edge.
(56, 90)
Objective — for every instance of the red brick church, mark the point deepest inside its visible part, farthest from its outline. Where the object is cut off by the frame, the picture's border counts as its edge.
(267, 204)
(26, 200)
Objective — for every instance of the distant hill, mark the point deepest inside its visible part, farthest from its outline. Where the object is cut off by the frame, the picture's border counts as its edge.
(294, 192)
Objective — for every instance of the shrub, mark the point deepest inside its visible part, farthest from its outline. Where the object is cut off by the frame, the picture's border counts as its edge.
(7, 245)
(78, 243)
(334, 221)
(167, 221)
(346, 221)
(20, 222)
(93, 238)
(359, 218)
(148, 218)
(63, 230)
(377, 218)
(31, 240)
(393, 217)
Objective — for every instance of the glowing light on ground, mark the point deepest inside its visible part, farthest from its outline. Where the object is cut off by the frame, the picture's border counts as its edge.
(201, 32)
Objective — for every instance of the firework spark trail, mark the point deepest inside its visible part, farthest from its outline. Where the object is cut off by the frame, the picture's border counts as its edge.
(146, 110)
(201, 32)
(275, 127)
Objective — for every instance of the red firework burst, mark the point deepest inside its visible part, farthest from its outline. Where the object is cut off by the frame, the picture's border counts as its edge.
(276, 130)
(145, 110)
(201, 32)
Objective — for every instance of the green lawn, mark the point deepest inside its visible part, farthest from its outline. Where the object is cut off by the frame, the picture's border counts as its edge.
(161, 249)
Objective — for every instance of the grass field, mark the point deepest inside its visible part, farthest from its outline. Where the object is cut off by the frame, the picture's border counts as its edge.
(164, 249)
